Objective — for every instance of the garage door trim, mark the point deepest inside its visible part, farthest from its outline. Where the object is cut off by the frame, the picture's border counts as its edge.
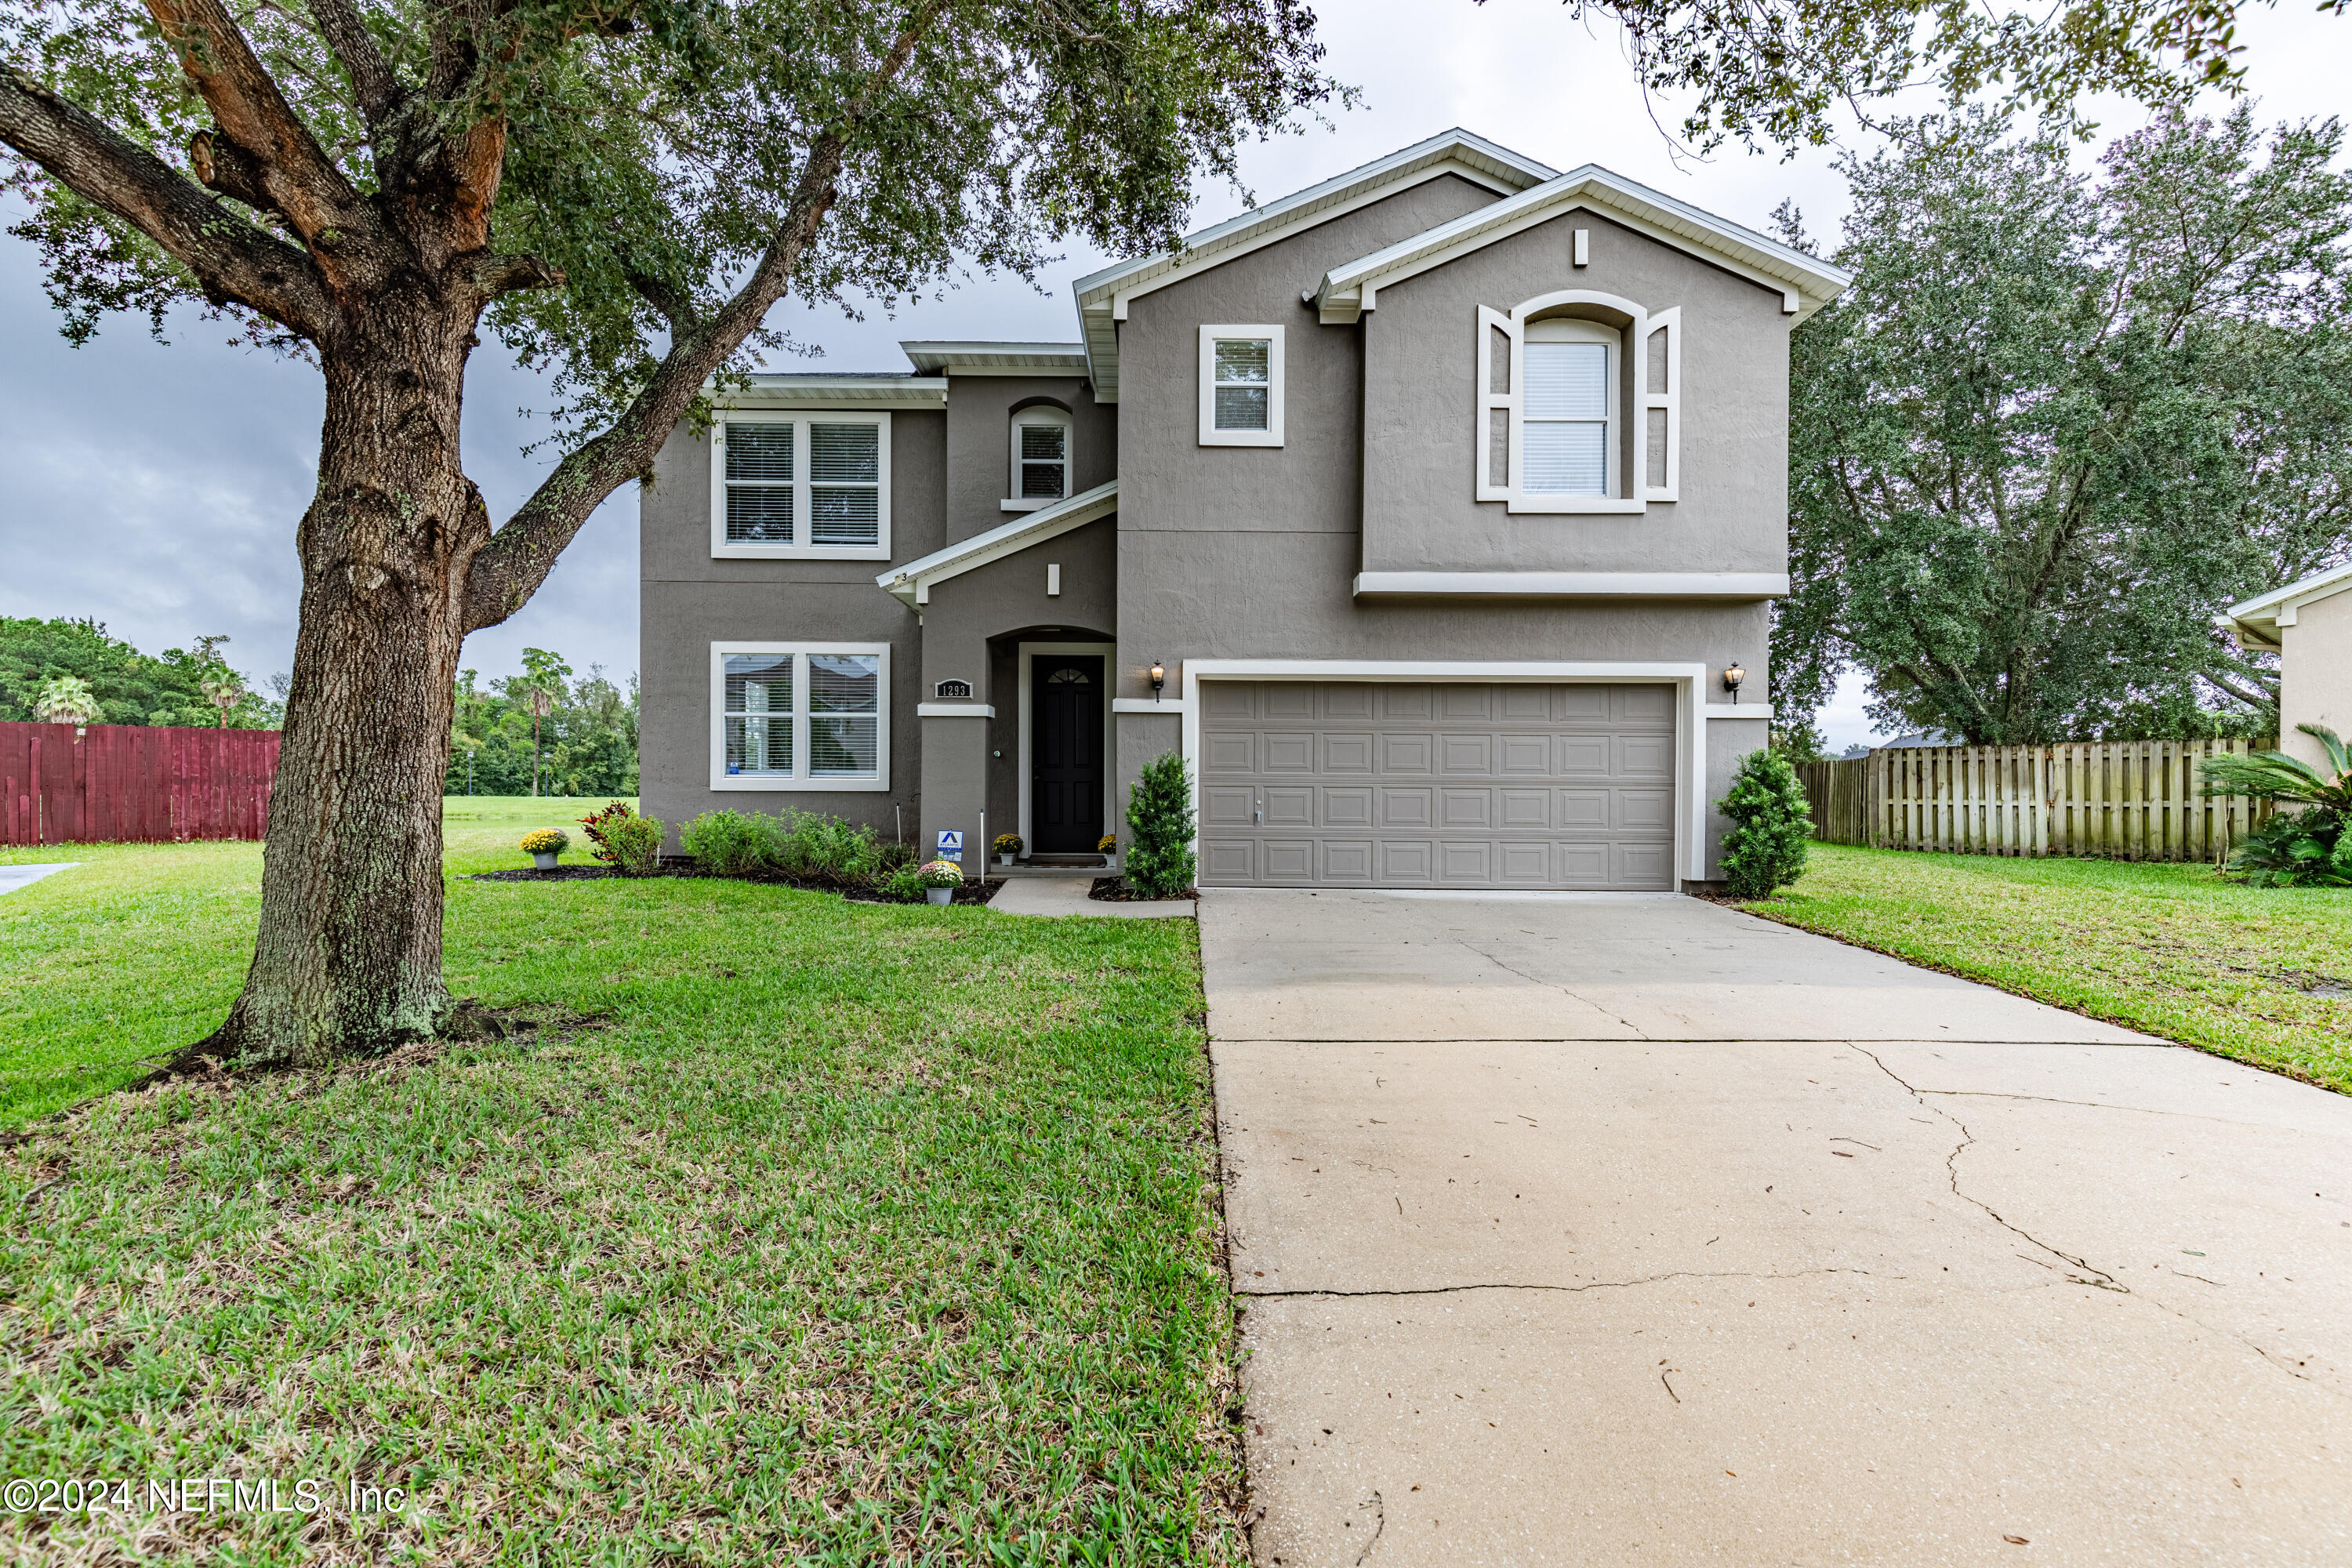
(1687, 679)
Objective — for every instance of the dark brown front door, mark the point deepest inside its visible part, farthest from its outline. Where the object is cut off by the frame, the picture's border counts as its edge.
(1065, 747)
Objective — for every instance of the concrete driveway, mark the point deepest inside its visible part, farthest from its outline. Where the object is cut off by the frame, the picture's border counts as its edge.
(1633, 1229)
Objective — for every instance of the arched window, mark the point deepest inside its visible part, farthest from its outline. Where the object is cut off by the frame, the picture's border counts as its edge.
(1040, 456)
(1580, 405)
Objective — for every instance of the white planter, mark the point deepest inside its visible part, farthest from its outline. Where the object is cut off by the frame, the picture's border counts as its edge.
(1110, 865)
(1004, 860)
(939, 895)
(544, 862)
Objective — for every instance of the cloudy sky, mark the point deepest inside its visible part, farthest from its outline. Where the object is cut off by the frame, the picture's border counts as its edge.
(157, 489)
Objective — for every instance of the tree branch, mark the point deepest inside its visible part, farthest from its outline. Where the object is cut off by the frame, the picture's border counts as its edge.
(298, 180)
(372, 83)
(234, 260)
(496, 275)
(510, 569)
(2227, 687)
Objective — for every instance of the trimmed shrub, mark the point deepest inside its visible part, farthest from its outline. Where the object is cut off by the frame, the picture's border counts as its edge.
(1771, 825)
(1160, 829)
(728, 842)
(635, 842)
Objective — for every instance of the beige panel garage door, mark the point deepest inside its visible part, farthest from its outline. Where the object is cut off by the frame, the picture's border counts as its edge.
(1354, 785)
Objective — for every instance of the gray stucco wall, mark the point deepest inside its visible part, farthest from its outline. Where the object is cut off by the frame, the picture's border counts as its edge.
(1238, 553)
(688, 601)
(980, 443)
(1421, 418)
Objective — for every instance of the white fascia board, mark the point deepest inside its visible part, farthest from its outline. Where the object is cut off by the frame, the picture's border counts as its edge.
(1573, 585)
(1102, 296)
(863, 392)
(911, 584)
(1805, 282)
(934, 358)
(2264, 613)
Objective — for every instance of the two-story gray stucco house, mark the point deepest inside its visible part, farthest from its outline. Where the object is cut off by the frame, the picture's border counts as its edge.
(1423, 510)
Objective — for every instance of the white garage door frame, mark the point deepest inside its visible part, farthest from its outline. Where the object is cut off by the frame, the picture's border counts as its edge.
(1691, 711)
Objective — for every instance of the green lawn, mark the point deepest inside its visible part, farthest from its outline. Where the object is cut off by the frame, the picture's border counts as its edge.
(857, 1233)
(2261, 976)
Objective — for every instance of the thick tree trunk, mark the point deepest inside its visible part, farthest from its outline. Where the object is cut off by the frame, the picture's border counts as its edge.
(349, 955)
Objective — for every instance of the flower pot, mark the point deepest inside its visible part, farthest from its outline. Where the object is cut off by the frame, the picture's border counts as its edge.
(544, 862)
(1110, 865)
(939, 895)
(1004, 860)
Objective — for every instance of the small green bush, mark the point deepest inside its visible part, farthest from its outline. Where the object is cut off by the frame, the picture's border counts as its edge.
(815, 847)
(2308, 849)
(1160, 829)
(903, 883)
(894, 857)
(1771, 825)
(597, 825)
(636, 843)
(730, 843)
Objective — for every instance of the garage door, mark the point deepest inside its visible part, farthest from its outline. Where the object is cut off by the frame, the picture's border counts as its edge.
(1353, 784)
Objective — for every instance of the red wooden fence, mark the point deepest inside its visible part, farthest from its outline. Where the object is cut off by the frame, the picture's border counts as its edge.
(133, 783)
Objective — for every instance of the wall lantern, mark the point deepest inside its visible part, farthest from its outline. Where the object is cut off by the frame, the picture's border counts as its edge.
(1731, 680)
(1158, 678)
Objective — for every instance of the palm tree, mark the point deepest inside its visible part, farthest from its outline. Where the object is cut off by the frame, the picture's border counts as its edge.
(222, 690)
(2310, 848)
(66, 700)
(2290, 781)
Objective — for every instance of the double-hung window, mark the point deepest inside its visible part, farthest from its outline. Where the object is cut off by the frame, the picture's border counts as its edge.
(1568, 409)
(1241, 386)
(1041, 457)
(816, 484)
(805, 716)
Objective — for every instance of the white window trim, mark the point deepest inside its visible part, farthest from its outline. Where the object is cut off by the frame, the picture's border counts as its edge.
(1272, 434)
(1689, 682)
(1110, 651)
(723, 548)
(798, 780)
(1630, 457)
(1039, 414)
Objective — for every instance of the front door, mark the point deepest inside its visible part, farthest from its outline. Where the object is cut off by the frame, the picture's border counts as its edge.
(1065, 770)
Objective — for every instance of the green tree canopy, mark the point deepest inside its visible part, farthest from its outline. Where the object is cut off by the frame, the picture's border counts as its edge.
(2060, 422)
(131, 686)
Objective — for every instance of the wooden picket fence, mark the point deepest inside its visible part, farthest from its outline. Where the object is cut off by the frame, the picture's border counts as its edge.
(2122, 800)
(133, 783)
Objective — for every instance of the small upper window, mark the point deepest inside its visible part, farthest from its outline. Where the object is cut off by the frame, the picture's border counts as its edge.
(1241, 386)
(1568, 408)
(1041, 457)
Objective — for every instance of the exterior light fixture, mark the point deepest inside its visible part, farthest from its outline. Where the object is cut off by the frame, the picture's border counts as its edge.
(1732, 677)
(1159, 678)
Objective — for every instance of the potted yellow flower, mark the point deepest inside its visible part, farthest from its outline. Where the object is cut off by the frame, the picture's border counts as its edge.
(543, 845)
(1107, 847)
(1008, 847)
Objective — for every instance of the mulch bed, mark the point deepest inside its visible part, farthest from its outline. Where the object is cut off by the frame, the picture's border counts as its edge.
(970, 893)
(1119, 890)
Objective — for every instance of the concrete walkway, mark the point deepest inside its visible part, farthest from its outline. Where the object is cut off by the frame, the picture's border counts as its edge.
(1054, 896)
(1626, 1230)
(15, 877)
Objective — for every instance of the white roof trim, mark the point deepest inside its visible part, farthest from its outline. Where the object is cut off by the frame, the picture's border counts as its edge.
(865, 391)
(1103, 295)
(1805, 282)
(911, 584)
(933, 358)
(2264, 613)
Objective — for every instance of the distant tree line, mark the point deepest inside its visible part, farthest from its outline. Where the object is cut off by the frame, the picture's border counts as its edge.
(545, 732)
(2060, 422)
(91, 677)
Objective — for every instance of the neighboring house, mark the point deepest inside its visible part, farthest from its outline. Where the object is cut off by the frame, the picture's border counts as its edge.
(2309, 626)
(1439, 495)
(1918, 738)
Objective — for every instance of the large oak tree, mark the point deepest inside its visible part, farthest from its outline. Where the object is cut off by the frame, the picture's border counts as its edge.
(620, 190)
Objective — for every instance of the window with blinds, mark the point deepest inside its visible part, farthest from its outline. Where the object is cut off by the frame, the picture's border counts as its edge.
(1564, 414)
(811, 717)
(803, 484)
(1241, 386)
(1040, 456)
(1578, 405)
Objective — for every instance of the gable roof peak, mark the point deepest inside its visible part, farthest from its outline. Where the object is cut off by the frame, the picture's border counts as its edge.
(1103, 294)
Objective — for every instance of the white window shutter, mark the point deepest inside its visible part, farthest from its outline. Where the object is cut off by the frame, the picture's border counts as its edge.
(1661, 435)
(1493, 441)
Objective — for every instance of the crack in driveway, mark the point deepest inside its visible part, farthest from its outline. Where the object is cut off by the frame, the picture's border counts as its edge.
(1550, 986)
(1561, 1289)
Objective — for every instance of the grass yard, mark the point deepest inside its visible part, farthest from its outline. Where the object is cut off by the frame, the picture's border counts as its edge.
(851, 1233)
(2261, 976)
